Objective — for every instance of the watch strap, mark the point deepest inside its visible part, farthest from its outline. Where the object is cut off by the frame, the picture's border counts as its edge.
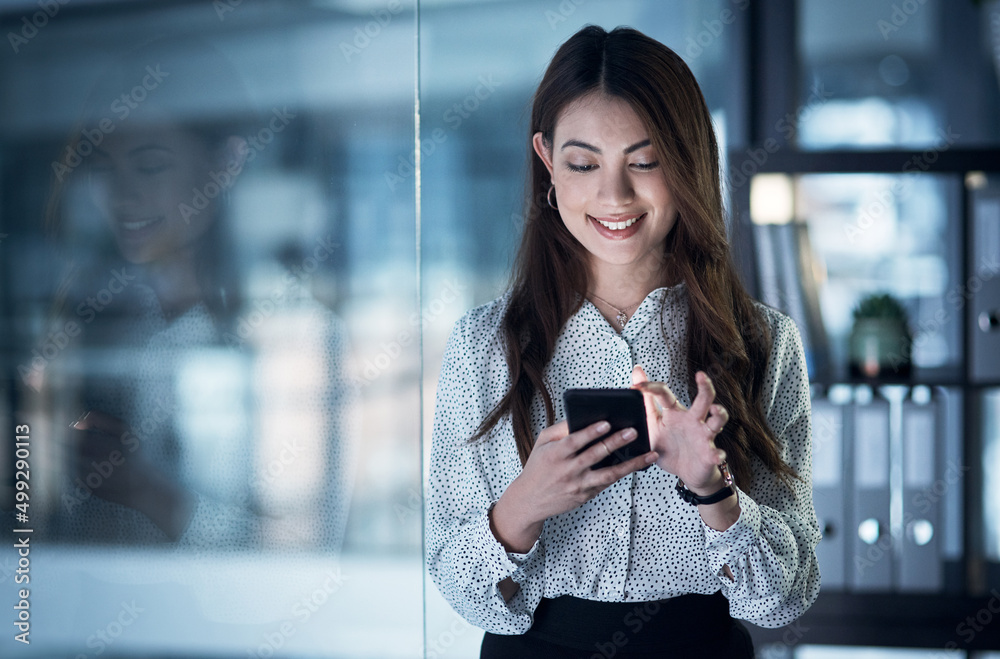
(696, 500)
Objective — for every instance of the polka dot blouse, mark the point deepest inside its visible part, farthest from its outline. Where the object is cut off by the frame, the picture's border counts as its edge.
(636, 540)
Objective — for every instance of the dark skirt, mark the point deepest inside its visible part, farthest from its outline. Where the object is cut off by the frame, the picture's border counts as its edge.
(688, 626)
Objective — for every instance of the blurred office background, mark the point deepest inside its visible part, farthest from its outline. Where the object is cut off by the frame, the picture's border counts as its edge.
(286, 405)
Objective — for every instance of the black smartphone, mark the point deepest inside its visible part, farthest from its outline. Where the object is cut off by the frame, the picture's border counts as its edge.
(622, 408)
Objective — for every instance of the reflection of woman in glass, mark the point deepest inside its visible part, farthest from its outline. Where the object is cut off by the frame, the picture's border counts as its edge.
(626, 264)
(178, 440)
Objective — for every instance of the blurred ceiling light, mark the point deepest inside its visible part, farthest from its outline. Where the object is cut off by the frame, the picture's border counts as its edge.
(771, 199)
(975, 180)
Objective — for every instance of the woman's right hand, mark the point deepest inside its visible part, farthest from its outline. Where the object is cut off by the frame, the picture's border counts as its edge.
(558, 478)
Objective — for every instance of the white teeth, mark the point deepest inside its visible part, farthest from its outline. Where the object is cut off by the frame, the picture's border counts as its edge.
(132, 226)
(618, 226)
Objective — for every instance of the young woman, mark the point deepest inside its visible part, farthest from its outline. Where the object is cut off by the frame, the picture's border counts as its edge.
(624, 278)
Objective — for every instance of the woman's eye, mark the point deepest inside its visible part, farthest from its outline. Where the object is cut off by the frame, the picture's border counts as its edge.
(152, 169)
(646, 166)
(580, 168)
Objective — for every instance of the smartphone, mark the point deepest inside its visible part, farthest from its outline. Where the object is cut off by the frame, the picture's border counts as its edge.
(622, 408)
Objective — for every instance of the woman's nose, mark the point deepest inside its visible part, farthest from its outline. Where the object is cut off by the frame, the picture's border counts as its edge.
(616, 188)
(121, 189)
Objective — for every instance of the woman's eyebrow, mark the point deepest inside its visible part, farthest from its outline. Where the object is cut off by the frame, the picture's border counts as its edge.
(591, 147)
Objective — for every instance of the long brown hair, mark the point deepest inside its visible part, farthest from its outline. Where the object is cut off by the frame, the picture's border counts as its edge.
(727, 335)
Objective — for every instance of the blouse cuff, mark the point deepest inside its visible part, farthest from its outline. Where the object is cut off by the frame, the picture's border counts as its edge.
(506, 563)
(727, 547)
(201, 521)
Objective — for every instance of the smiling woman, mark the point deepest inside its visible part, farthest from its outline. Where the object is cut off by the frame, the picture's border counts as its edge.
(192, 473)
(615, 199)
(624, 276)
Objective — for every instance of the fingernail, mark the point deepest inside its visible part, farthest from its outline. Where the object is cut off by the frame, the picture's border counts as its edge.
(629, 433)
(603, 426)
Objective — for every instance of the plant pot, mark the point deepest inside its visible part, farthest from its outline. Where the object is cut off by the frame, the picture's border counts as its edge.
(880, 347)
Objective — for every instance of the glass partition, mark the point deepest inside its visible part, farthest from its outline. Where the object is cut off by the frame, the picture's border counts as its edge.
(206, 275)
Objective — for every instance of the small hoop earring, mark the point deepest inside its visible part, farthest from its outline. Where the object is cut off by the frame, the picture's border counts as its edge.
(548, 197)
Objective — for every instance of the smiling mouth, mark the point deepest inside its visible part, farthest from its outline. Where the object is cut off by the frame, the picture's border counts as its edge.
(617, 225)
(135, 225)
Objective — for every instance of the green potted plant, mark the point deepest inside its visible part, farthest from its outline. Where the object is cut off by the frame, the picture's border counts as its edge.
(881, 343)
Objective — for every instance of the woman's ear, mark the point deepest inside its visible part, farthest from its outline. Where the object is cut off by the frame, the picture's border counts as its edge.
(543, 150)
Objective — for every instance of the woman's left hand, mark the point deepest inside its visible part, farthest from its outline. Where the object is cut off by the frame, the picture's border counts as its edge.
(685, 438)
(126, 476)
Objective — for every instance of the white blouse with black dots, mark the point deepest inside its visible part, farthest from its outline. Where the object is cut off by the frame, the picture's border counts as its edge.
(636, 540)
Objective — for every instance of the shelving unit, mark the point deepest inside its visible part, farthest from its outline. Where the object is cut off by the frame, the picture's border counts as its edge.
(959, 617)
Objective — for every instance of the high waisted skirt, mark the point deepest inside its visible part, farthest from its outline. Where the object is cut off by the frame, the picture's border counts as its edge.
(687, 627)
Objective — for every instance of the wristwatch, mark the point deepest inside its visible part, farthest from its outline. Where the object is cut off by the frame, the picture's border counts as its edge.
(715, 497)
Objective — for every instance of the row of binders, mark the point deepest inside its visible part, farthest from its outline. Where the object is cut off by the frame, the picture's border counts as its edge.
(885, 474)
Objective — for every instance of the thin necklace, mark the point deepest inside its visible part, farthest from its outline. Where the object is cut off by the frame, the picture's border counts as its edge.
(622, 316)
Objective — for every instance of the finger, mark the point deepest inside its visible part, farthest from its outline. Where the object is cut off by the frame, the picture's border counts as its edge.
(706, 394)
(608, 475)
(552, 433)
(576, 441)
(94, 446)
(718, 419)
(639, 374)
(602, 449)
(94, 420)
(662, 394)
(653, 411)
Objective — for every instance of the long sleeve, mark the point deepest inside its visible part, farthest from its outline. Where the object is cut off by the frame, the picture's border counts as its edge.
(771, 549)
(464, 558)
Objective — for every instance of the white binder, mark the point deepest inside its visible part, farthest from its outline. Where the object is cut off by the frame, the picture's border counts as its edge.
(829, 495)
(870, 564)
(924, 488)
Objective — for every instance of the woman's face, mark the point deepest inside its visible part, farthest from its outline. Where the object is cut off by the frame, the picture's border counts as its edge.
(151, 185)
(609, 187)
